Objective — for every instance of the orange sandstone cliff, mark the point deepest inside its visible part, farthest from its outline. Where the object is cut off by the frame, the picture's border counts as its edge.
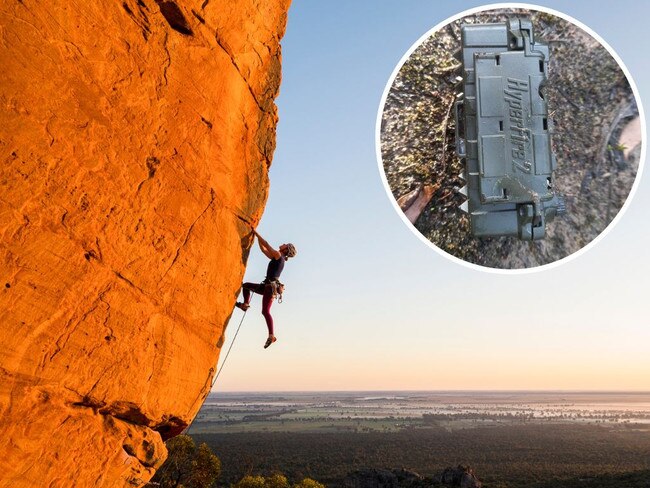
(135, 141)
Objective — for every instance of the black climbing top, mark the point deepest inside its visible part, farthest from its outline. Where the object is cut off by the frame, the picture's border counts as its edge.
(274, 268)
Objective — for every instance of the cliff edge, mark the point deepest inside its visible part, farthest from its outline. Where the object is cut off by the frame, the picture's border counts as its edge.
(135, 140)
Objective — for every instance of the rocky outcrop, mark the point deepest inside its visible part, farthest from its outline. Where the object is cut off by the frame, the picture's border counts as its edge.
(459, 477)
(135, 141)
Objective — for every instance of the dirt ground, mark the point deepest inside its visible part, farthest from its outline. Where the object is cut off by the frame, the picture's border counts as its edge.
(590, 104)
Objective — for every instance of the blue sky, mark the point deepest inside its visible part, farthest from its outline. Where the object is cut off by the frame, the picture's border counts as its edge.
(368, 305)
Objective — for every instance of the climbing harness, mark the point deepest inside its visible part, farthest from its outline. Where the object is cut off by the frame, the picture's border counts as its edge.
(276, 287)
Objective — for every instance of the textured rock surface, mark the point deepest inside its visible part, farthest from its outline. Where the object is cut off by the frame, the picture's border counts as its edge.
(135, 139)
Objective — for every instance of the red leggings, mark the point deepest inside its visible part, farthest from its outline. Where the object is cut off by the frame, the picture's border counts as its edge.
(267, 300)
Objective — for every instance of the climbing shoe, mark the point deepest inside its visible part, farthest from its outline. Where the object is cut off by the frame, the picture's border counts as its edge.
(243, 306)
(269, 341)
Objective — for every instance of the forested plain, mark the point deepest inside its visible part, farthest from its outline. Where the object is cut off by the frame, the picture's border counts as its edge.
(509, 456)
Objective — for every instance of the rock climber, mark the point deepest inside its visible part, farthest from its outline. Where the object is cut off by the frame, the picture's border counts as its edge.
(271, 287)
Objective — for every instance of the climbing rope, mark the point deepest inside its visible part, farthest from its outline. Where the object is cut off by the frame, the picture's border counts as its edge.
(214, 380)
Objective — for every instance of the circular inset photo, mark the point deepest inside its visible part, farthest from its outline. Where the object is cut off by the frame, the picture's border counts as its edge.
(510, 138)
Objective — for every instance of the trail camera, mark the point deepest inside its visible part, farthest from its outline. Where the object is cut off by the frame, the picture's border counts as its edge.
(502, 131)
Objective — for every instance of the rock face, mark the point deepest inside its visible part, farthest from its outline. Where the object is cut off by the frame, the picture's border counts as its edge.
(135, 141)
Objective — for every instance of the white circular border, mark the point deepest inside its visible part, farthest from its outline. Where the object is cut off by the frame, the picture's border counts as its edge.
(603, 43)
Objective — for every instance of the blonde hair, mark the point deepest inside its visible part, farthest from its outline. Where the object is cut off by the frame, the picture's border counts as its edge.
(290, 251)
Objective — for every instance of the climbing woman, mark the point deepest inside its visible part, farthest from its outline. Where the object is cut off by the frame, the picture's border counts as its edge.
(271, 286)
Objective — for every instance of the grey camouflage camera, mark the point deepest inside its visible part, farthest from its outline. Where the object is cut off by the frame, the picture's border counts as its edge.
(503, 131)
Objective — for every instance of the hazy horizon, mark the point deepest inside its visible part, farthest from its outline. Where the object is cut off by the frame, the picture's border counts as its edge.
(279, 392)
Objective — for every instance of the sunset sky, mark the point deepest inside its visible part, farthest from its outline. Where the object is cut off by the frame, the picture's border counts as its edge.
(369, 306)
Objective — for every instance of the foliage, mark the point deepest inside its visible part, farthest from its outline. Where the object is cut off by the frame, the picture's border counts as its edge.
(187, 466)
(516, 454)
(251, 482)
(308, 483)
(275, 481)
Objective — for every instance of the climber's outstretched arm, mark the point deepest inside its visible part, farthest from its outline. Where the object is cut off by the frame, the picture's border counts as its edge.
(266, 248)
